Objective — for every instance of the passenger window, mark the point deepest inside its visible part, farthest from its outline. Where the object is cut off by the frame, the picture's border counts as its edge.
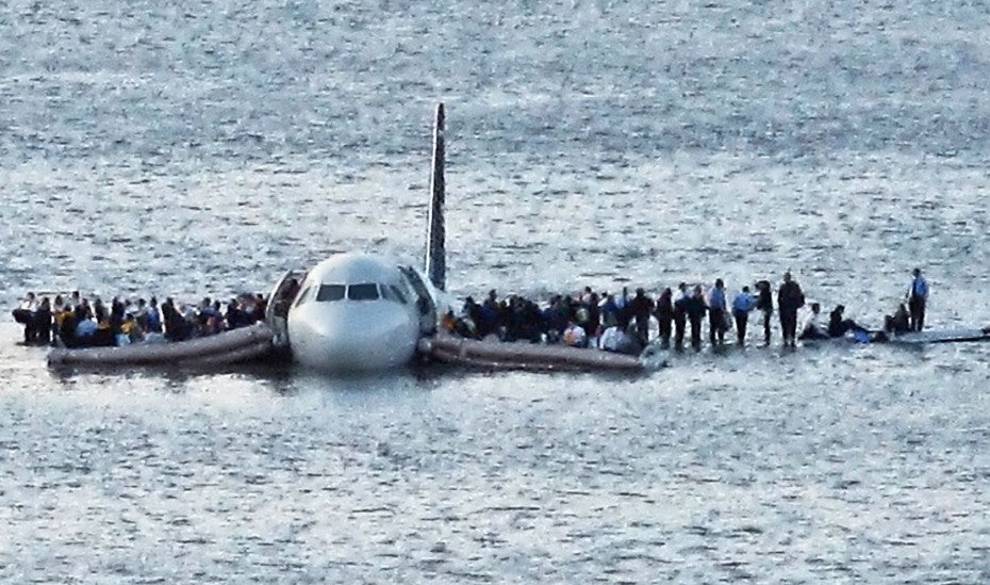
(362, 292)
(330, 292)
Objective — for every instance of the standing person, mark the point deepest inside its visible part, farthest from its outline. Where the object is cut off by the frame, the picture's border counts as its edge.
(917, 299)
(609, 311)
(665, 316)
(742, 304)
(696, 310)
(24, 314)
(764, 304)
(680, 315)
(154, 317)
(716, 313)
(790, 298)
(640, 308)
(43, 322)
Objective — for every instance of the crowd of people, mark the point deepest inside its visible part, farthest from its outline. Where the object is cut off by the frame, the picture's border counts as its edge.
(612, 322)
(76, 321)
(621, 322)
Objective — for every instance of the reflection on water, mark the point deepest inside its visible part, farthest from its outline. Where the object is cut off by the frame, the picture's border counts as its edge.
(836, 463)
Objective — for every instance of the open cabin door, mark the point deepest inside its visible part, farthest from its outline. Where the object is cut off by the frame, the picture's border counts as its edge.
(279, 302)
(425, 303)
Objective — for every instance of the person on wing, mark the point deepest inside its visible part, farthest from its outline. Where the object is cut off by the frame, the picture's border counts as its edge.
(640, 308)
(917, 300)
(742, 304)
(696, 309)
(590, 304)
(154, 317)
(790, 298)
(716, 313)
(898, 323)
(609, 311)
(575, 335)
(622, 301)
(620, 339)
(812, 328)
(665, 316)
(838, 325)
(764, 304)
(681, 303)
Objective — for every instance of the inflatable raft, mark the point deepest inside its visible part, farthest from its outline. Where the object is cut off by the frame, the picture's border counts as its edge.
(524, 356)
(229, 347)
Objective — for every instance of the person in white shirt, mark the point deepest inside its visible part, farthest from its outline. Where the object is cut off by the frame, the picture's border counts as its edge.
(575, 335)
(24, 314)
(812, 329)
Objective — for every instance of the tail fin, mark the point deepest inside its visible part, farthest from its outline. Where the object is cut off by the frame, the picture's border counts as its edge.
(436, 252)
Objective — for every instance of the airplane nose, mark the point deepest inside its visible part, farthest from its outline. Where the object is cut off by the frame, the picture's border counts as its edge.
(355, 337)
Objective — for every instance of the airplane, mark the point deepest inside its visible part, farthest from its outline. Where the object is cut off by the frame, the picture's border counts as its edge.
(365, 312)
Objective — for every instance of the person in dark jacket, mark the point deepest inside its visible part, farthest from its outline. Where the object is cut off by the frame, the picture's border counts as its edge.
(665, 316)
(640, 308)
(43, 322)
(790, 298)
(680, 315)
(764, 304)
(838, 325)
(696, 309)
(67, 330)
(116, 316)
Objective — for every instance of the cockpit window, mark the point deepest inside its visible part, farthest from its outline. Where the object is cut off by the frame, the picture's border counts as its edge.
(362, 292)
(391, 293)
(330, 292)
(398, 293)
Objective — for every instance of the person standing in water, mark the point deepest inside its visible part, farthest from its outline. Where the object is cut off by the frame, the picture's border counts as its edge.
(790, 298)
(917, 299)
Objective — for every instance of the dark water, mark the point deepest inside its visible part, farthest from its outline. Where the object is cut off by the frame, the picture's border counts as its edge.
(203, 148)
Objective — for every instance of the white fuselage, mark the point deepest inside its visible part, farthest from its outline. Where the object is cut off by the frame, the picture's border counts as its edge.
(354, 312)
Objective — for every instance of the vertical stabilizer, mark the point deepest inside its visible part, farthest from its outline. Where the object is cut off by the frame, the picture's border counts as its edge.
(436, 252)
